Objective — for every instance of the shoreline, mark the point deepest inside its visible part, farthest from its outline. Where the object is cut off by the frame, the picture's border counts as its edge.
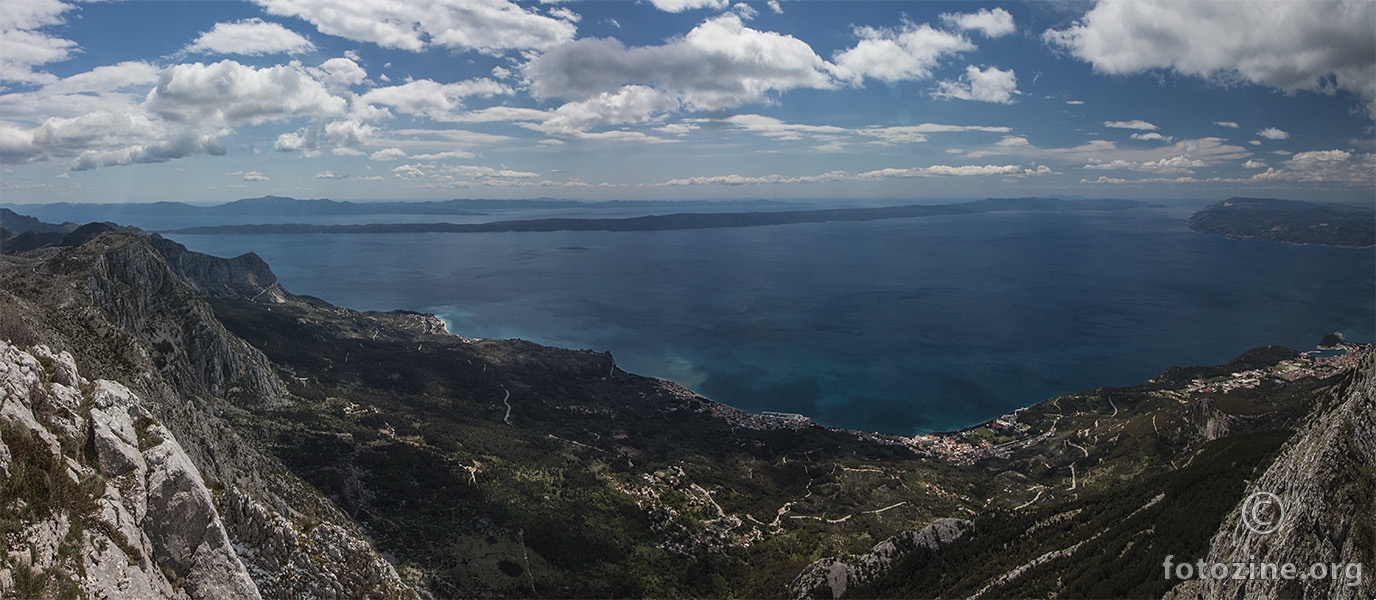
(1352, 352)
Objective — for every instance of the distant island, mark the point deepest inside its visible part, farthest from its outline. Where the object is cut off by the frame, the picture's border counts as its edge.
(283, 206)
(685, 220)
(1289, 221)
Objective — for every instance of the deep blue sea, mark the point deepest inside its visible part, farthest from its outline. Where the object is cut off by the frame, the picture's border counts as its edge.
(901, 326)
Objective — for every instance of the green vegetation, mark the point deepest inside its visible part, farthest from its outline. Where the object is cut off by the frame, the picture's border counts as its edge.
(1289, 221)
(601, 479)
(1112, 542)
(38, 489)
(608, 484)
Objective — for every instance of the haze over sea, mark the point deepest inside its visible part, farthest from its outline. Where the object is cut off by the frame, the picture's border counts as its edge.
(901, 326)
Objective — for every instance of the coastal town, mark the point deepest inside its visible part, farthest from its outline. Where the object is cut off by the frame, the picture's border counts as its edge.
(1005, 434)
(968, 446)
(1317, 363)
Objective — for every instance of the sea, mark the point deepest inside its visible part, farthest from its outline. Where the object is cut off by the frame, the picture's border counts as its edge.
(901, 326)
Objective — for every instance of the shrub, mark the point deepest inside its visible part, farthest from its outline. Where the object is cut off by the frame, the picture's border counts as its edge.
(14, 330)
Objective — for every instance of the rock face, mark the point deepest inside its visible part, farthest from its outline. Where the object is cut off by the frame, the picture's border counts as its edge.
(124, 520)
(835, 575)
(1324, 483)
(246, 276)
(160, 479)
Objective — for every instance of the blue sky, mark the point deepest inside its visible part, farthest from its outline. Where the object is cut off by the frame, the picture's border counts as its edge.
(670, 99)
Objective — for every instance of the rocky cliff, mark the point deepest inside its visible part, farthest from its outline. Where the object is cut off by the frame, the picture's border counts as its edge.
(102, 497)
(241, 277)
(1323, 486)
(234, 522)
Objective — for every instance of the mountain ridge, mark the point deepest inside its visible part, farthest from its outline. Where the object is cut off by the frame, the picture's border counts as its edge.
(679, 221)
(286, 206)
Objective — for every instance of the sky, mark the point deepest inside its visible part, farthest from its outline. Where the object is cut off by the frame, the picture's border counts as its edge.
(209, 102)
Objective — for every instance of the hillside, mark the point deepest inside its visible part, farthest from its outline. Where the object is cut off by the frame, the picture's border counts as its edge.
(327, 439)
(1288, 221)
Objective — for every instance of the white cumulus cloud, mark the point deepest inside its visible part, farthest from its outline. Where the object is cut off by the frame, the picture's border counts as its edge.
(1324, 166)
(1271, 133)
(984, 85)
(250, 37)
(1151, 137)
(678, 6)
(992, 23)
(1321, 45)
(721, 63)
(429, 98)
(1137, 124)
(387, 154)
(340, 71)
(489, 26)
(22, 44)
(232, 93)
(294, 141)
(956, 171)
(407, 172)
(774, 128)
(351, 132)
(103, 79)
(906, 54)
(105, 138)
(631, 104)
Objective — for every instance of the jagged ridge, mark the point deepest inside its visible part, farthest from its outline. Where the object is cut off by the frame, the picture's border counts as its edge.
(115, 304)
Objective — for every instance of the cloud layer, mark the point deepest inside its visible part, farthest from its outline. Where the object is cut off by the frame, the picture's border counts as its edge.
(491, 26)
(436, 95)
(250, 37)
(1321, 45)
(720, 63)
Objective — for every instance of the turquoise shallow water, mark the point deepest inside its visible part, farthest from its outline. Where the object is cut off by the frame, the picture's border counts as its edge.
(901, 326)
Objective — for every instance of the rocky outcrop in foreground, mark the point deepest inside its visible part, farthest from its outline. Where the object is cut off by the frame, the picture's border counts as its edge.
(132, 482)
(108, 500)
(1324, 486)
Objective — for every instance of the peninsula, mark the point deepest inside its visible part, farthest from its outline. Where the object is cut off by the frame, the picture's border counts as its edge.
(1289, 221)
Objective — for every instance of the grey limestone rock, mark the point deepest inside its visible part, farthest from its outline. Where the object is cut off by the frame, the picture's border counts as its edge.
(837, 574)
(185, 528)
(1324, 482)
(134, 310)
